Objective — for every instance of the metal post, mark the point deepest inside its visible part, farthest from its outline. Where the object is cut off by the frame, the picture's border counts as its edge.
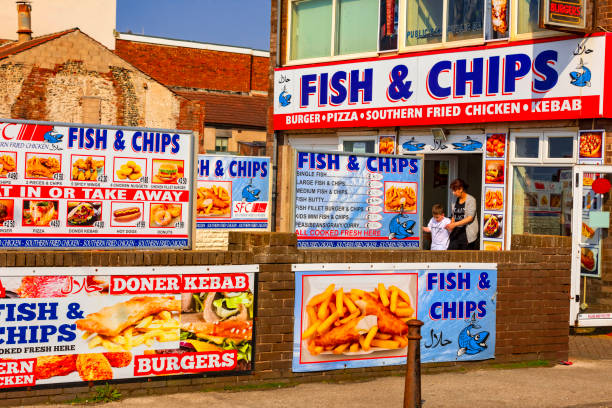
(412, 390)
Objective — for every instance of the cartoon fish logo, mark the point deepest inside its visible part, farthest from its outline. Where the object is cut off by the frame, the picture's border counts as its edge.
(284, 98)
(413, 146)
(400, 227)
(582, 77)
(468, 145)
(53, 137)
(469, 343)
(250, 194)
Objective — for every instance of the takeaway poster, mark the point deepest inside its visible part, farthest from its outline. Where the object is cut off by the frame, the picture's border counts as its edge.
(233, 192)
(67, 325)
(64, 186)
(354, 315)
(357, 201)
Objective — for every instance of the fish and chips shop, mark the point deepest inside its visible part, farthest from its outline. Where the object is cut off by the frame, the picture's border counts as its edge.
(523, 123)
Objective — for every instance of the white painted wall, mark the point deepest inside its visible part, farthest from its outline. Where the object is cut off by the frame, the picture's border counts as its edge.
(96, 18)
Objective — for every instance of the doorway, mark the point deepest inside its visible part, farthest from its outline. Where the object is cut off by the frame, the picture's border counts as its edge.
(591, 290)
(440, 170)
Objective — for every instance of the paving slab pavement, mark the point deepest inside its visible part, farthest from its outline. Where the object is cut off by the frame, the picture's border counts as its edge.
(585, 384)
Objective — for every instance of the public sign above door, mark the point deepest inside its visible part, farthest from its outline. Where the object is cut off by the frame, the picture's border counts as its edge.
(536, 80)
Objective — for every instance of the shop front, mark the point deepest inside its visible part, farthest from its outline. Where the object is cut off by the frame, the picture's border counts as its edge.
(516, 121)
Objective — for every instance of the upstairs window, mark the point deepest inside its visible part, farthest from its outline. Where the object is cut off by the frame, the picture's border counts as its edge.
(324, 28)
(440, 21)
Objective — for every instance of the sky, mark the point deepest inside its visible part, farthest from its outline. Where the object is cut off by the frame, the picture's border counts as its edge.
(242, 23)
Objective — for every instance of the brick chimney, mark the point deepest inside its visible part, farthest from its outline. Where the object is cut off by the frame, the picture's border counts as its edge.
(24, 26)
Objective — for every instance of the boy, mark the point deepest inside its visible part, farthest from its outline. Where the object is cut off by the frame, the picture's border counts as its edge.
(437, 227)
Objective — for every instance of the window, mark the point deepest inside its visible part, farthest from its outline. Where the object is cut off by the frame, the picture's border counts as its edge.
(543, 147)
(221, 144)
(540, 200)
(439, 21)
(311, 29)
(363, 146)
(322, 28)
(528, 17)
(540, 188)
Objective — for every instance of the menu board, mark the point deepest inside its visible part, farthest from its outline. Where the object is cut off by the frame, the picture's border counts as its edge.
(357, 201)
(233, 192)
(494, 203)
(65, 186)
(66, 325)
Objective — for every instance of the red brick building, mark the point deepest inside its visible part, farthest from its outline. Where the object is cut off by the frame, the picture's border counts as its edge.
(232, 82)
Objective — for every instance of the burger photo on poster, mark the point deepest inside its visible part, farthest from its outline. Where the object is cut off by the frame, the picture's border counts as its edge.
(217, 321)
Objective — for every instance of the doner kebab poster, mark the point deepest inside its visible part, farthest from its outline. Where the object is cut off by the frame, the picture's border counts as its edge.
(356, 315)
(66, 325)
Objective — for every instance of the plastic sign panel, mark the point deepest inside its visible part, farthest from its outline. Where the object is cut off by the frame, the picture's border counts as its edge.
(567, 13)
(355, 315)
(357, 201)
(495, 197)
(65, 325)
(233, 192)
(539, 80)
(64, 186)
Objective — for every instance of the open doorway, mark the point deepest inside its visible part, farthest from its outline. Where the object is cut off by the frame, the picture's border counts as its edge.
(440, 170)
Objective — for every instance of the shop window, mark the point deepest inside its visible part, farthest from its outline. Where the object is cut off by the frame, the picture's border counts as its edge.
(541, 200)
(322, 28)
(440, 21)
(543, 147)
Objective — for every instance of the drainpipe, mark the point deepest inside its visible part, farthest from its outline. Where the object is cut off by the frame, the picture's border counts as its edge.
(24, 21)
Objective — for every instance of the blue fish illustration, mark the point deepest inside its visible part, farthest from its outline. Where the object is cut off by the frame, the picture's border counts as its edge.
(249, 194)
(581, 78)
(472, 343)
(284, 98)
(53, 137)
(468, 145)
(400, 227)
(413, 146)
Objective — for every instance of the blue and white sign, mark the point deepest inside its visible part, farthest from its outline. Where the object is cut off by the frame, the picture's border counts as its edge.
(233, 192)
(357, 201)
(355, 315)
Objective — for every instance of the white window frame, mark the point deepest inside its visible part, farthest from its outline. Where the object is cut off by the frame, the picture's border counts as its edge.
(541, 161)
(515, 36)
(441, 45)
(331, 57)
(360, 137)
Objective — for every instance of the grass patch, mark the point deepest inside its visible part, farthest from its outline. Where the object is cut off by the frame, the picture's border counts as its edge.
(102, 394)
(522, 364)
(253, 387)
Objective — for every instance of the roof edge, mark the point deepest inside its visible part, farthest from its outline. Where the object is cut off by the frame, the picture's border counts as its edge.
(191, 44)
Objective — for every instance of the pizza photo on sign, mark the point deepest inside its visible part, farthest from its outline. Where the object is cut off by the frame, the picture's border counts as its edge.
(590, 145)
(39, 213)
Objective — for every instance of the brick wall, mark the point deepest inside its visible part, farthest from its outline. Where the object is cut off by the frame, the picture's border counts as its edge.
(196, 68)
(49, 81)
(532, 305)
